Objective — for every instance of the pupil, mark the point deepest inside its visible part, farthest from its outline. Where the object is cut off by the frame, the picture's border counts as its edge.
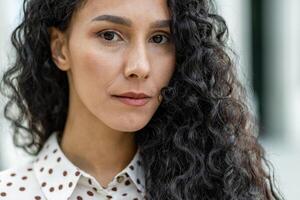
(109, 35)
(158, 38)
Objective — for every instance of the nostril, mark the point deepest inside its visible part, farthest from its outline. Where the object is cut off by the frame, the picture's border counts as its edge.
(133, 75)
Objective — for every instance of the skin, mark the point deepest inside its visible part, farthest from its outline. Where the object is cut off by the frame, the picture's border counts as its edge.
(99, 132)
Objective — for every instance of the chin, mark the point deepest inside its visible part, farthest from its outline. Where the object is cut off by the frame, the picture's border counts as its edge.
(131, 128)
(128, 126)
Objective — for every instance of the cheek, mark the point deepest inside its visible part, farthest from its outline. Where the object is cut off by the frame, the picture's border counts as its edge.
(98, 65)
(163, 69)
(92, 60)
(93, 71)
(96, 68)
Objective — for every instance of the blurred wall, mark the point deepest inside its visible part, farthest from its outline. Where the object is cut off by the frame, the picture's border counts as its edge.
(282, 90)
(282, 73)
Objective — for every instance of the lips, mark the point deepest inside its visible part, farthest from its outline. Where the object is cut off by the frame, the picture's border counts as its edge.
(133, 98)
(133, 95)
(133, 101)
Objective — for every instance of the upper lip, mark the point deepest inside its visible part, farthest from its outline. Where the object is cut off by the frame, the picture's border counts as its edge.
(136, 95)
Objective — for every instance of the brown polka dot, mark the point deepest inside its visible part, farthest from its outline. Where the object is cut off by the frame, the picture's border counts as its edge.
(2, 194)
(60, 187)
(127, 182)
(13, 174)
(24, 177)
(70, 184)
(22, 189)
(58, 159)
(50, 171)
(55, 150)
(139, 162)
(44, 184)
(51, 189)
(114, 189)
(46, 156)
(90, 181)
(124, 194)
(139, 191)
(37, 198)
(42, 169)
(138, 181)
(79, 198)
(135, 199)
(95, 189)
(9, 184)
(108, 196)
(131, 167)
(29, 169)
(77, 173)
(90, 193)
(65, 173)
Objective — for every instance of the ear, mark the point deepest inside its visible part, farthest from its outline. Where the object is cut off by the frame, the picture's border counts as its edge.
(59, 50)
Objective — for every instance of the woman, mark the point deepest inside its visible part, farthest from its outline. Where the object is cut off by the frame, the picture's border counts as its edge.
(130, 100)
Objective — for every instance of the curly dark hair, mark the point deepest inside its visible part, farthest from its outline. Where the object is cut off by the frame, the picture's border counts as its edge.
(202, 141)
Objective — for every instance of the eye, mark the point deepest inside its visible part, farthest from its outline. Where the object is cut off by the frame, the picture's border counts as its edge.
(159, 38)
(108, 35)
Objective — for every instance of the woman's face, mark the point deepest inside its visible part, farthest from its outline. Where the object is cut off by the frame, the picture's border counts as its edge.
(113, 47)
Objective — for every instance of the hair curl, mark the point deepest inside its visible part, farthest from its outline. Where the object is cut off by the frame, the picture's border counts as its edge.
(201, 142)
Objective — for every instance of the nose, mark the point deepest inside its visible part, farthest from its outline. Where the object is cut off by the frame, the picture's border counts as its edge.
(138, 64)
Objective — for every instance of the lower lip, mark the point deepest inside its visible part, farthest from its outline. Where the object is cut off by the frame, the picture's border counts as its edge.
(133, 102)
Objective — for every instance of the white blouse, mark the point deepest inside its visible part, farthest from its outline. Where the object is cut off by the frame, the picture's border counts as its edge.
(53, 176)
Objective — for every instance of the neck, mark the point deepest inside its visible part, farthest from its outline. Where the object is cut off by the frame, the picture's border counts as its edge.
(95, 148)
(96, 153)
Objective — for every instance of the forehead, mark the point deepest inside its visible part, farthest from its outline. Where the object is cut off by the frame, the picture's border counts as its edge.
(137, 10)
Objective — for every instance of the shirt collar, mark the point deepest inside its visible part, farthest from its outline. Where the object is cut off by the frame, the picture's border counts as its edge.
(58, 176)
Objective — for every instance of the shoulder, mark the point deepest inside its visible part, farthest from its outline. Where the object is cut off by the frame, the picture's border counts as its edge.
(19, 183)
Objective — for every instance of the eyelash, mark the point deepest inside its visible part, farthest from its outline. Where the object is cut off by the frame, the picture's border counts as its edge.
(99, 34)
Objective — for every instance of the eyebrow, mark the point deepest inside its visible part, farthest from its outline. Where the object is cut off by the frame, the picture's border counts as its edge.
(127, 22)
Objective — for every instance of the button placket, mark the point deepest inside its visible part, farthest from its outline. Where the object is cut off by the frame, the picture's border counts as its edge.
(120, 179)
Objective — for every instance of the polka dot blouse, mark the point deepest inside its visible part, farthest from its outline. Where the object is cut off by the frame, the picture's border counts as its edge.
(52, 176)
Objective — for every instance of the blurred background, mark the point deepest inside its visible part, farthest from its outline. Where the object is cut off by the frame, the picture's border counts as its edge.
(266, 36)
